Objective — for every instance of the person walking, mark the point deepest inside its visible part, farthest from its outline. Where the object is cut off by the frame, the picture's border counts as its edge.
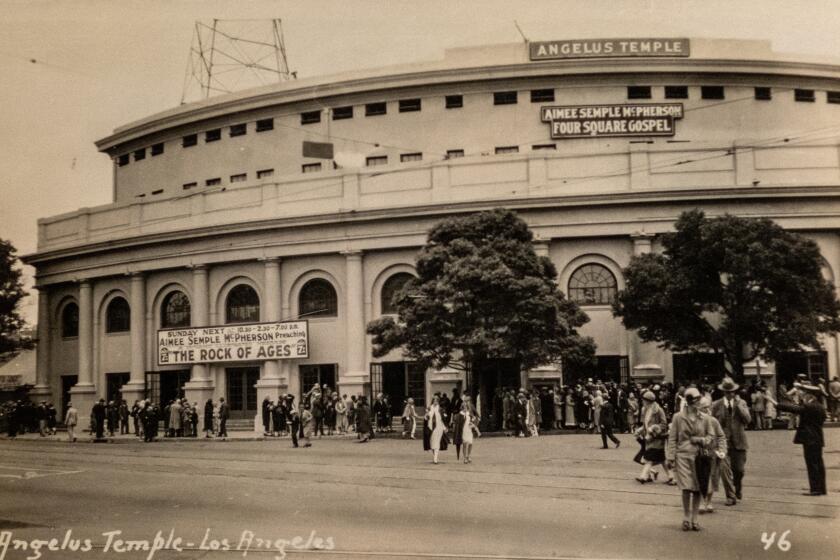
(70, 420)
(409, 419)
(463, 425)
(654, 430)
(719, 446)
(688, 454)
(364, 426)
(734, 416)
(224, 414)
(607, 418)
(98, 415)
(434, 430)
(758, 407)
(809, 434)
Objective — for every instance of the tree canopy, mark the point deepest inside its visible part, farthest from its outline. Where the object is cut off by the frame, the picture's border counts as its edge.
(11, 292)
(741, 287)
(482, 292)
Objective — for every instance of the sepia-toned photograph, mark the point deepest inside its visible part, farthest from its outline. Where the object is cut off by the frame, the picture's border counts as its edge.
(417, 280)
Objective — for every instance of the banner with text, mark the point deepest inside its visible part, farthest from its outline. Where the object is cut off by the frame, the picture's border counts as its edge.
(233, 343)
(592, 121)
(607, 48)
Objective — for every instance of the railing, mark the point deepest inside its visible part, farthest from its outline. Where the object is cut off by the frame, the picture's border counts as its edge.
(642, 167)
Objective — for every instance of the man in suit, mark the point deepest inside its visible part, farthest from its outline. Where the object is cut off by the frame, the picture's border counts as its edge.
(520, 413)
(734, 416)
(99, 419)
(224, 414)
(809, 434)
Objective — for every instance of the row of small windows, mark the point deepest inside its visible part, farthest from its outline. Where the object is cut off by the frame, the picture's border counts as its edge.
(457, 102)
(236, 178)
(718, 92)
(590, 284)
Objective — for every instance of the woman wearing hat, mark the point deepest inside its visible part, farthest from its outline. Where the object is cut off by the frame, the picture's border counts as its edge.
(409, 418)
(689, 450)
(719, 445)
(654, 429)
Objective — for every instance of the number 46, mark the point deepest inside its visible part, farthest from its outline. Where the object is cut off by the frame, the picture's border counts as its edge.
(783, 544)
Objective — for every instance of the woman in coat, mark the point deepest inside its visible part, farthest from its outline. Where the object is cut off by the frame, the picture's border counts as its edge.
(434, 430)
(363, 424)
(341, 414)
(409, 419)
(719, 447)
(689, 450)
(654, 430)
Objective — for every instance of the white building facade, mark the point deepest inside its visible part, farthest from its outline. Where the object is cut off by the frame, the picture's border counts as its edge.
(218, 217)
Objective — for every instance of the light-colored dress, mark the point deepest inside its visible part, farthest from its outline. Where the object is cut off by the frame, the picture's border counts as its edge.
(570, 411)
(686, 436)
(436, 421)
(467, 432)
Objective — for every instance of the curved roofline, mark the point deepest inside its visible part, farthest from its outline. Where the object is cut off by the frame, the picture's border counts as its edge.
(470, 64)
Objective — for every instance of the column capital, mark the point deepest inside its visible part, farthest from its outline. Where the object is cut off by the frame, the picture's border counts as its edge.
(136, 275)
(352, 254)
(642, 235)
(197, 268)
(85, 282)
(270, 260)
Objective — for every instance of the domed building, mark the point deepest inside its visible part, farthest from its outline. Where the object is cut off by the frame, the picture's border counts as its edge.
(281, 219)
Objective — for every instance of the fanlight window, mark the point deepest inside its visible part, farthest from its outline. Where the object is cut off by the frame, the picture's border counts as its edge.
(70, 321)
(243, 305)
(393, 285)
(318, 299)
(118, 317)
(592, 284)
(175, 310)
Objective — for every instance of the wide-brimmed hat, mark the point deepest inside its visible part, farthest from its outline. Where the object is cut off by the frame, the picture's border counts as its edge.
(648, 396)
(728, 385)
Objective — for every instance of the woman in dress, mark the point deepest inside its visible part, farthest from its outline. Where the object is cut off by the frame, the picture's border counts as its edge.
(570, 409)
(341, 414)
(409, 419)
(467, 431)
(689, 448)
(769, 408)
(559, 401)
(597, 403)
(434, 430)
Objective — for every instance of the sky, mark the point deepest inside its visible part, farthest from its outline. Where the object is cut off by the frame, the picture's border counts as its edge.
(71, 72)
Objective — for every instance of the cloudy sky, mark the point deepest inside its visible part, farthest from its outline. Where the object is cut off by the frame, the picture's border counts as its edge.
(73, 71)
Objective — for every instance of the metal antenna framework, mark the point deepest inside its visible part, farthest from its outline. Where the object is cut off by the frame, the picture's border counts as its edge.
(227, 55)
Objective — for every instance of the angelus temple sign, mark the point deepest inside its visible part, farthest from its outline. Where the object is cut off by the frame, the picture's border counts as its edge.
(604, 48)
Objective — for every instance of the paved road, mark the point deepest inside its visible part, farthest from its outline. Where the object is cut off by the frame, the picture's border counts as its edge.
(548, 497)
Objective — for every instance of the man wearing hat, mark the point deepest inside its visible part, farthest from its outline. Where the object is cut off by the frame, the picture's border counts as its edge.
(733, 414)
(809, 434)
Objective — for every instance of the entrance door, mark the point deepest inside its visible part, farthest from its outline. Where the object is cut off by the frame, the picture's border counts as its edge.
(791, 364)
(115, 381)
(401, 380)
(488, 377)
(242, 391)
(317, 374)
(169, 386)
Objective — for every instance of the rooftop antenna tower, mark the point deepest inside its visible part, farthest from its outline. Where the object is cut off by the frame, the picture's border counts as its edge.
(228, 55)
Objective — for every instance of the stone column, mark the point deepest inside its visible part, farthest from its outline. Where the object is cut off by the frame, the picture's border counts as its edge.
(354, 376)
(200, 387)
(135, 389)
(83, 394)
(42, 390)
(270, 384)
(646, 358)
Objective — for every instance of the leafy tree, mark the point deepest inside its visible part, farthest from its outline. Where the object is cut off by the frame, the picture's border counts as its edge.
(741, 287)
(482, 293)
(11, 292)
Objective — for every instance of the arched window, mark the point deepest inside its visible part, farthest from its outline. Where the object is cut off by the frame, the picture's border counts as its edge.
(118, 316)
(592, 284)
(70, 320)
(318, 299)
(175, 310)
(393, 285)
(243, 305)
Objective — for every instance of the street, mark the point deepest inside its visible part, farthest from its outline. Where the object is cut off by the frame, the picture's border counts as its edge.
(546, 497)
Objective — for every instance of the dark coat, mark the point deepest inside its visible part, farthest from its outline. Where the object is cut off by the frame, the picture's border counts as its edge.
(208, 416)
(224, 411)
(427, 436)
(458, 420)
(607, 418)
(811, 420)
(363, 419)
